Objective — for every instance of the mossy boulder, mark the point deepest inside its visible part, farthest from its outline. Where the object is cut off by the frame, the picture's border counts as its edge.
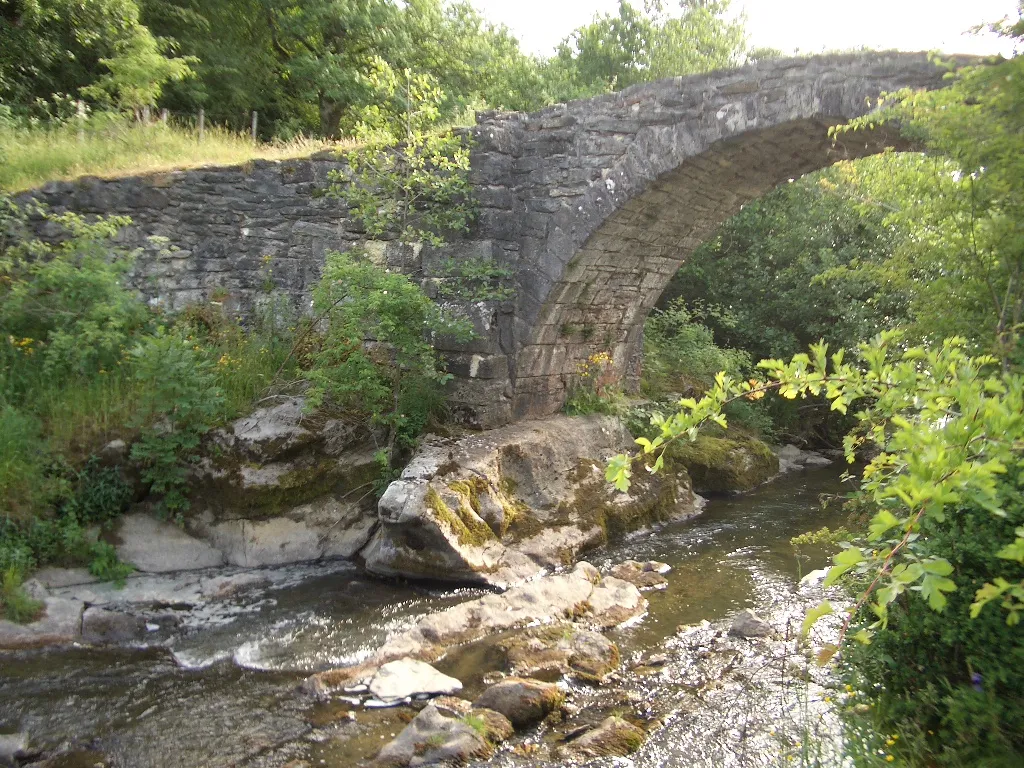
(282, 486)
(561, 649)
(523, 701)
(503, 506)
(433, 739)
(724, 464)
(614, 737)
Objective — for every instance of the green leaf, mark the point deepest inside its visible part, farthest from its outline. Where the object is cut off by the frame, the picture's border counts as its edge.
(823, 608)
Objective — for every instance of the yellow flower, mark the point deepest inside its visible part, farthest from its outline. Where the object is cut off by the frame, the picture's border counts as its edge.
(889, 758)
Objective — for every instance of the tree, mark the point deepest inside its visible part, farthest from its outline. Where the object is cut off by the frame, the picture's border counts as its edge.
(57, 47)
(963, 262)
(760, 276)
(634, 46)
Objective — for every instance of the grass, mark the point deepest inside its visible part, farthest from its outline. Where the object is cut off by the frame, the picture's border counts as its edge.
(15, 605)
(113, 146)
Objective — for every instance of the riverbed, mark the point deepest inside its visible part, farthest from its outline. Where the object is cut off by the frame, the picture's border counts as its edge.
(224, 692)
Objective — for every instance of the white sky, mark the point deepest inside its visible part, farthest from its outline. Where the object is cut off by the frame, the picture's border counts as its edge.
(807, 26)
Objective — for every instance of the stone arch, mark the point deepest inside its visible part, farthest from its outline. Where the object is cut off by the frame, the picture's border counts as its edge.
(616, 192)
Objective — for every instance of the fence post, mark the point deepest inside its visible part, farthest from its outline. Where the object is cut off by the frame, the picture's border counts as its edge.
(163, 115)
(202, 122)
(80, 114)
(145, 115)
(254, 125)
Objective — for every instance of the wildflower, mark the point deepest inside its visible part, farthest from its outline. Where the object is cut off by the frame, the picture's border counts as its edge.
(889, 758)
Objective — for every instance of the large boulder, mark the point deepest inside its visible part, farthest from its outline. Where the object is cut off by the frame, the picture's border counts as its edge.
(282, 485)
(725, 464)
(523, 701)
(503, 506)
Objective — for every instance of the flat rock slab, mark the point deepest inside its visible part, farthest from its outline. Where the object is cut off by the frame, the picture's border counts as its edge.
(581, 594)
(157, 546)
(61, 625)
(405, 678)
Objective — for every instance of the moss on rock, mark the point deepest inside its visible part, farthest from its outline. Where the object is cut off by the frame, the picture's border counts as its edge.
(725, 464)
(463, 521)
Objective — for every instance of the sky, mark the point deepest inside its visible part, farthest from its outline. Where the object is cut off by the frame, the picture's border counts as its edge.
(804, 26)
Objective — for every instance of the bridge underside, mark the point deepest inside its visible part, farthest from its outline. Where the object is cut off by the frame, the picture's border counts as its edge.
(614, 280)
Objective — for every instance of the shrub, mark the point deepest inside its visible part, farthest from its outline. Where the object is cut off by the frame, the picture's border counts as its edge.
(15, 605)
(180, 403)
(375, 355)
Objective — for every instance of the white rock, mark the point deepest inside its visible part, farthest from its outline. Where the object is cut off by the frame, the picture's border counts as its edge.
(157, 546)
(408, 677)
(60, 625)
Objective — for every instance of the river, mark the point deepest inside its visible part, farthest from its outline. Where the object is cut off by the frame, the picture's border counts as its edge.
(223, 693)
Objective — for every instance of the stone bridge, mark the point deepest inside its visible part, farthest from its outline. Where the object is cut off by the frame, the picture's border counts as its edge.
(594, 205)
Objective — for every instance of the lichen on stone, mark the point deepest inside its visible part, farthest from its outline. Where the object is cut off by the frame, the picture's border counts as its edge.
(463, 522)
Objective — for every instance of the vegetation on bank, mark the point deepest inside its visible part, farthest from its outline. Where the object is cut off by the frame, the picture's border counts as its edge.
(76, 78)
(108, 144)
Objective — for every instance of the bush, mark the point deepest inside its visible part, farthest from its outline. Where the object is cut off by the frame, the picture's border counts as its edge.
(951, 687)
(180, 403)
(375, 355)
(680, 354)
(15, 605)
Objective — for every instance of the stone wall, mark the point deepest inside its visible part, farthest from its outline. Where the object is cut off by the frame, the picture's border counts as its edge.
(594, 205)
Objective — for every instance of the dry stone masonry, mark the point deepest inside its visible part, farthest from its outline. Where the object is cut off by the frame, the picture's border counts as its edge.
(593, 204)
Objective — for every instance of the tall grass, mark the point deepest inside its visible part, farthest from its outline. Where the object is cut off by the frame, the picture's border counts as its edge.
(110, 145)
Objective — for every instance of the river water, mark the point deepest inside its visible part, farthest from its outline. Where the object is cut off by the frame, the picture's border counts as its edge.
(224, 693)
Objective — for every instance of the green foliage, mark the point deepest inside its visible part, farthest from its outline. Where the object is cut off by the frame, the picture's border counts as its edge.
(63, 309)
(375, 355)
(407, 179)
(137, 71)
(595, 390)
(180, 402)
(947, 431)
(759, 279)
(105, 564)
(948, 684)
(964, 263)
(15, 605)
(52, 47)
(632, 46)
(680, 354)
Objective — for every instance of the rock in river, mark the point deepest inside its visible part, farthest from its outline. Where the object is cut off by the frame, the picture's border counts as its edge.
(581, 595)
(749, 624)
(613, 737)
(402, 679)
(523, 701)
(433, 739)
(503, 506)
